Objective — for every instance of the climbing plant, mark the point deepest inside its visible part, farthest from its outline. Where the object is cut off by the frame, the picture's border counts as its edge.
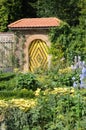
(18, 53)
(67, 42)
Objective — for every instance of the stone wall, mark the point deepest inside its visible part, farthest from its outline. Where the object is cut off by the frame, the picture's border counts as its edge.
(6, 49)
(22, 39)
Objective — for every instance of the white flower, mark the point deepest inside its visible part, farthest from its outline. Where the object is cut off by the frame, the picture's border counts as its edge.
(73, 78)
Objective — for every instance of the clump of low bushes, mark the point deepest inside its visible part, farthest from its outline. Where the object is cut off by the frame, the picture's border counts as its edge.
(52, 110)
(18, 85)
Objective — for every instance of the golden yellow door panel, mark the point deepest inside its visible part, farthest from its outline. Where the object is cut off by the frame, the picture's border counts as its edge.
(38, 55)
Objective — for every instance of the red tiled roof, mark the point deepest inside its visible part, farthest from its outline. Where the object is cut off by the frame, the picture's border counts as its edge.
(35, 23)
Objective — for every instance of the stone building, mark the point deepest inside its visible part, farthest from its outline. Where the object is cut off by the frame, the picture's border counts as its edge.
(32, 41)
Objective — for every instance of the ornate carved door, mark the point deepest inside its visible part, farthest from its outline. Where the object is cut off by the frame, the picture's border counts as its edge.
(38, 55)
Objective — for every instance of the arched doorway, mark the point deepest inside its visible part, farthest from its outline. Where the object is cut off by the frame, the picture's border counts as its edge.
(38, 55)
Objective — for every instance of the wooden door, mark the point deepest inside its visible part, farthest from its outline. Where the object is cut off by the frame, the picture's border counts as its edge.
(38, 55)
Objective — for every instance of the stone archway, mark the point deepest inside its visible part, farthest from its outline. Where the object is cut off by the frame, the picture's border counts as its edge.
(30, 42)
(38, 55)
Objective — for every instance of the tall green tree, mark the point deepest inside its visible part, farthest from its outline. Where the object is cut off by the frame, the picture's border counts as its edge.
(12, 10)
(66, 10)
(27, 9)
(9, 11)
(82, 5)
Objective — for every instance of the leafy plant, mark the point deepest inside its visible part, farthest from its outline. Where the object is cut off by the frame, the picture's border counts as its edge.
(62, 108)
(67, 112)
(7, 81)
(9, 94)
(67, 42)
(27, 81)
(6, 76)
(15, 118)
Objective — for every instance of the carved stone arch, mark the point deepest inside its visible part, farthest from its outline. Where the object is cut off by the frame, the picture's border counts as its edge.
(28, 44)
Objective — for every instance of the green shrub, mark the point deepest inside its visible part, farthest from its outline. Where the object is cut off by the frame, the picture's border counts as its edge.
(8, 85)
(15, 119)
(23, 93)
(56, 79)
(27, 81)
(7, 81)
(57, 112)
(67, 78)
(6, 76)
(63, 111)
(67, 43)
(3, 85)
(7, 94)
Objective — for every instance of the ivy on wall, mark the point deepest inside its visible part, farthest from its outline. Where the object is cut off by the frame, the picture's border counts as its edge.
(67, 42)
(18, 54)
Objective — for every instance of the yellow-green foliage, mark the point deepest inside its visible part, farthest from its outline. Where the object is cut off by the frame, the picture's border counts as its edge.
(65, 70)
(23, 104)
(60, 108)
